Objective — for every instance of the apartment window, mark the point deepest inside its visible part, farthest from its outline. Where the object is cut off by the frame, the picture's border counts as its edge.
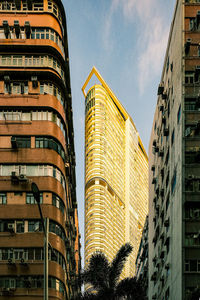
(16, 88)
(189, 78)
(49, 143)
(22, 141)
(34, 225)
(192, 25)
(190, 104)
(30, 199)
(38, 6)
(56, 201)
(20, 226)
(3, 198)
(30, 60)
(192, 265)
(57, 229)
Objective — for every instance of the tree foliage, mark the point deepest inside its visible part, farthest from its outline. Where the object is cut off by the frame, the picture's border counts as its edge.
(104, 277)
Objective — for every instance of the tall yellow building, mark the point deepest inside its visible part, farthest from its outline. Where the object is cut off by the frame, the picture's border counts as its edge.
(116, 175)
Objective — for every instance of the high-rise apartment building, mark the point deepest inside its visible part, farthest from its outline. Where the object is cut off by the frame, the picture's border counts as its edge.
(174, 209)
(36, 145)
(116, 175)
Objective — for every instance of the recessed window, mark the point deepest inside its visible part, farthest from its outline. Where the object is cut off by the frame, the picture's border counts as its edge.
(3, 198)
(30, 199)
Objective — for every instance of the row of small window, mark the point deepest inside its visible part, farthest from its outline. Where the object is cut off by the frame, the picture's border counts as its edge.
(32, 61)
(31, 281)
(10, 5)
(21, 226)
(192, 105)
(35, 33)
(33, 170)
(34, 5)
(30, 199)
(14, 115)
(27, 254)
(18, 88)
(40, 142)
(89, 104)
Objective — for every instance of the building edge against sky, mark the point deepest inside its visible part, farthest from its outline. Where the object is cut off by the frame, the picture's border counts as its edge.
(116, 175)
(174, 210)
(36, 145)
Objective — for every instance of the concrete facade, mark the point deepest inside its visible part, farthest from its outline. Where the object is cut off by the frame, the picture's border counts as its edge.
(173, 163)
(36, 145)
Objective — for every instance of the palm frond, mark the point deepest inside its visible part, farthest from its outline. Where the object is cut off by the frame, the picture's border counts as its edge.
(118, 264)
(97, 271)
(87, 296)
(131, 288)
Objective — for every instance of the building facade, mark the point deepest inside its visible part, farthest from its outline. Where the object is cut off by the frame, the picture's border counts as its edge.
(142, 261)
(36, 145)
(174, 242)
(116, 179)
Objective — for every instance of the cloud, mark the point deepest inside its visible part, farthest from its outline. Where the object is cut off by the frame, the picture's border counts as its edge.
(152, 36)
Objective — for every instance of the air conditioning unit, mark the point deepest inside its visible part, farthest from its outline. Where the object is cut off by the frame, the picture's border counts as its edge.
(23, 261)
(11, 227)
(11, 261)
(22, 177)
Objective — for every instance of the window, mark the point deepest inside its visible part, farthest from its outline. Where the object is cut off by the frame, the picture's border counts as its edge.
(189, 78)
(56, 201)
(3, 198)
(34, 225)
(23, 142)
(30, 199)
(192, 265)
(19, 226)
(50, 143)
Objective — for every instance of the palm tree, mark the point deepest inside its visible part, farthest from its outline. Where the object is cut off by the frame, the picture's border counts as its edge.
(104, 278)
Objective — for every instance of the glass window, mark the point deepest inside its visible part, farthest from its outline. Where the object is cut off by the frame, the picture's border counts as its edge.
(31, 200)
(19, 226)
(3, 198)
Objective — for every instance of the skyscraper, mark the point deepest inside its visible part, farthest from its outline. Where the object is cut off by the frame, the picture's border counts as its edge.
(174, 211)
(116, 175)
(36, 145)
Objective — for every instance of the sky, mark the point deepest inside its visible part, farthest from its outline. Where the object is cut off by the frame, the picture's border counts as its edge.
(126, 41)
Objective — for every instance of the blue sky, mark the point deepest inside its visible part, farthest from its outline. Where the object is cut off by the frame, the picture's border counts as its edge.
(126, 41)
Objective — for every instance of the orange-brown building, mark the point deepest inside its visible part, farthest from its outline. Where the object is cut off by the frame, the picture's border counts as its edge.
(36, 145)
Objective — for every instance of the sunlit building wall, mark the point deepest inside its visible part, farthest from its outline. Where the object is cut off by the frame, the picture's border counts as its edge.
(116, 185)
